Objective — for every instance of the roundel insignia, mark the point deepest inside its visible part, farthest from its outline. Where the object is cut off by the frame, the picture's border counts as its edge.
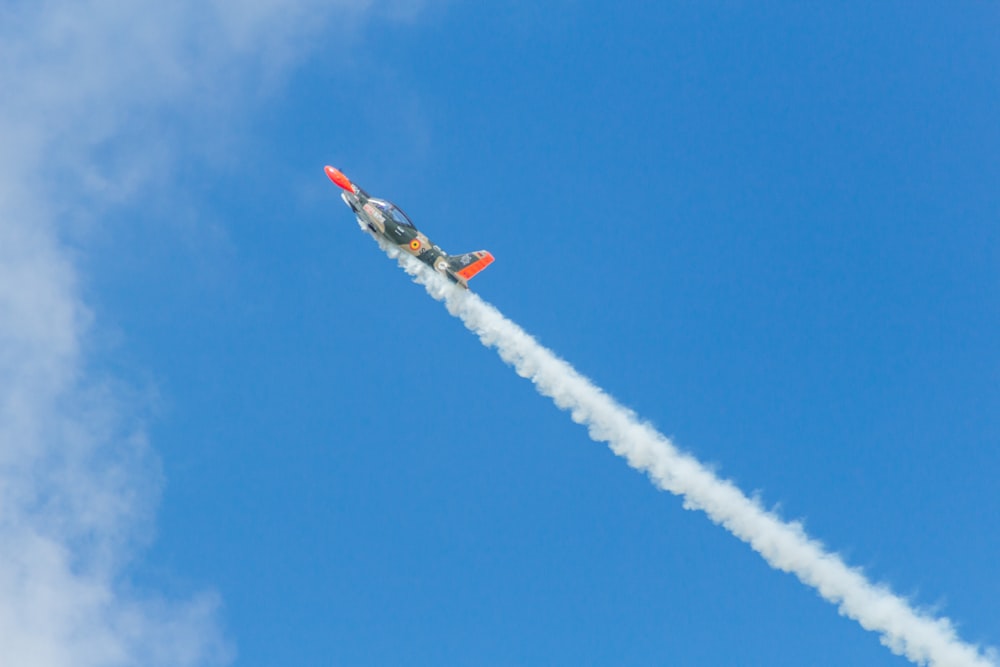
(415, 245)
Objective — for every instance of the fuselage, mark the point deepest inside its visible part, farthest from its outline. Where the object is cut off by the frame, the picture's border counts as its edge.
(387, 221)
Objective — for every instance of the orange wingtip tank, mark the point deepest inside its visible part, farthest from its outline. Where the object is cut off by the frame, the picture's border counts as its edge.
(338, 178)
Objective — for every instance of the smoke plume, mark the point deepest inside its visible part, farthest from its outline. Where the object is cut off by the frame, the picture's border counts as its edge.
(785, 546)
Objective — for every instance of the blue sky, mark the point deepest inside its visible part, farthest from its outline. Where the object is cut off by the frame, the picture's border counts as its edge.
(769, 230)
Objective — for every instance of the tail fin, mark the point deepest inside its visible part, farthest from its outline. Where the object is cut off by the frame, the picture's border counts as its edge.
(467, 265)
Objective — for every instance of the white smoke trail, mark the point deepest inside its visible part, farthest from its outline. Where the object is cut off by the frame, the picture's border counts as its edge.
(784, 545)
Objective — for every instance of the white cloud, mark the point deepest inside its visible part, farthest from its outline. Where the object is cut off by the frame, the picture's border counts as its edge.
(78, 480)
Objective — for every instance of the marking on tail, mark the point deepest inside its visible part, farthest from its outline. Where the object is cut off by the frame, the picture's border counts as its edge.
(471, 263)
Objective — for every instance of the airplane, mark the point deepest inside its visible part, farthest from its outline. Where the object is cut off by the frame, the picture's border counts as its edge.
(385, 220)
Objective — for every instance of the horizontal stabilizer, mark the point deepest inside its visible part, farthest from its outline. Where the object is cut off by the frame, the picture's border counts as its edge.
(467, 265)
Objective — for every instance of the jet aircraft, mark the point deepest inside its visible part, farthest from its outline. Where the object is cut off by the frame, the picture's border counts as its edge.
(385, 220)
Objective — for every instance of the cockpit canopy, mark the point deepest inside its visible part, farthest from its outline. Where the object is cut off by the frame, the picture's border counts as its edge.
(393, 212)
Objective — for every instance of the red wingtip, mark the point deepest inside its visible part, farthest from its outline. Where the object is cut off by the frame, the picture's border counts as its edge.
(338, 178)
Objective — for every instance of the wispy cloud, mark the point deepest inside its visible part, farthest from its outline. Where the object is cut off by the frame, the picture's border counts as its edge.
(785, 546)
(93, 93)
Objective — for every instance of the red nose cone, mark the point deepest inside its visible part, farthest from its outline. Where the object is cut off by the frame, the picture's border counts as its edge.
(338, 178)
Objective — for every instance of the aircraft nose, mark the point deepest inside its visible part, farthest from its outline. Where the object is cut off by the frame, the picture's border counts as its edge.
(338, 178)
